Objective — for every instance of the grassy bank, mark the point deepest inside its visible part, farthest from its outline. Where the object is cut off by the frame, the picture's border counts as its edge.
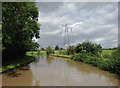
(104, 61)
(64, 56)
(22, 61)
(42, 52)
(16, 63)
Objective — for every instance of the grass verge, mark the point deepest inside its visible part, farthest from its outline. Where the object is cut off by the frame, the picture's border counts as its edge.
(64, 56)
(16, 63)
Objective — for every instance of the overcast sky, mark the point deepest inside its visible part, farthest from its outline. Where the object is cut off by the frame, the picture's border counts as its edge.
(93, 21)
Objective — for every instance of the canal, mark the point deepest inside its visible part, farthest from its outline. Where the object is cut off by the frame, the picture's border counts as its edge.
(54, 71)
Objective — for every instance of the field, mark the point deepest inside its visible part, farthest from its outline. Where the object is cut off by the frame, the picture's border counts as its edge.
(106, 54)
(42, 52)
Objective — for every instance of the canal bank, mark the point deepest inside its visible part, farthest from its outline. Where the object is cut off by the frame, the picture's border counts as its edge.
(99, 62)
(16, 64)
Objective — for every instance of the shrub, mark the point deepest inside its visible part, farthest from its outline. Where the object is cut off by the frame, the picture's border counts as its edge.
(61, 48)
(64, 52)
(115, 60)
(38, 52)
(42, 49)
(104, 64)
(95, 49)
(60, 52)
(49, 50)
(57, 47)
(71, 50)
(76, 57)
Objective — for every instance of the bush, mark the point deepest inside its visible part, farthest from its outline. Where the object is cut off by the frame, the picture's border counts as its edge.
(94, 58)
(42, 49)
(89, 47)
(60, 52)
(71, 50)
(38, 53)
(63, 52)
(104, 64)
(61, 48)
(115, 60)
(57, 47)
(49, 50)
(76, 57)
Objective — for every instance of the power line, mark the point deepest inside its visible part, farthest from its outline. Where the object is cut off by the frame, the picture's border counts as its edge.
(98, 8)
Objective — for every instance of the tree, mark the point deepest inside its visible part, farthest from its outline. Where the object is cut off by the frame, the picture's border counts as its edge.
(71, 50)
(89, 47)
(19, 26)
(61, 48)
(49, 50)
(57, 47)
(42, 49)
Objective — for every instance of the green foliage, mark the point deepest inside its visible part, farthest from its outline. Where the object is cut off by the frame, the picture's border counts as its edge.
(57, 47)
(42, 49)
(38, 52)
(34, 46)
(61, 48)
(31, 53)
(104, 64)
(63, 52)
(108, 63)
(16, 63)
(76, 57)
(71, 50)
(49, 50)
(108, 52)
(115, 61)
(1, 40)
(89, 47)
(19, 26)
(106, 56)
(60, 52)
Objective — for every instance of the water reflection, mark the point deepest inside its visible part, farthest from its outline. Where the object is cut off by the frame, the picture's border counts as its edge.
(86, 69)
(49, 60)
(52, 71)
(25, 79)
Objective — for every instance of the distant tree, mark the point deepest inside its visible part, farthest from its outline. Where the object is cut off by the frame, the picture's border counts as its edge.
(61, 48)
(42, 49)
(19, 26)
(49, 50)
(57, 47)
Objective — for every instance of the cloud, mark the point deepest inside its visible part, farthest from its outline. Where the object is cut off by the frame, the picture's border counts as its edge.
(73, 25)
(93, 21)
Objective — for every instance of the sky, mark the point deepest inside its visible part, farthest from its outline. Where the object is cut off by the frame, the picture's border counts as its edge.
(96, 22)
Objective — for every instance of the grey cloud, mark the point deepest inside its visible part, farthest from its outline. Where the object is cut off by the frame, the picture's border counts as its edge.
(48, 7)
(99, 27)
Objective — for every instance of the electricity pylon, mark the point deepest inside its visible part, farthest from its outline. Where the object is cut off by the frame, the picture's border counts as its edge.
(65, 31)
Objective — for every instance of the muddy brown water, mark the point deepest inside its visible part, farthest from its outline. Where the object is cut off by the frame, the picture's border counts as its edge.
(54, 71)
